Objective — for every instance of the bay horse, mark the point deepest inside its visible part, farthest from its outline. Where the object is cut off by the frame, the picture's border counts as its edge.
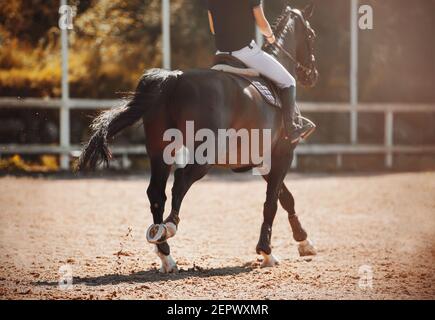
(211, 99)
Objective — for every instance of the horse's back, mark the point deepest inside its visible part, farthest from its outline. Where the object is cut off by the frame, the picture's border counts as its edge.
(224, 100)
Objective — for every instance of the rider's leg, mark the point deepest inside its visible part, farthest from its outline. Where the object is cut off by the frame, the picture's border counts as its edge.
(269, 67)
(291, 129)
(294, 129)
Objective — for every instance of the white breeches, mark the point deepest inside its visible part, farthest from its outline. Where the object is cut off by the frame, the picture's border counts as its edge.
(264, 63)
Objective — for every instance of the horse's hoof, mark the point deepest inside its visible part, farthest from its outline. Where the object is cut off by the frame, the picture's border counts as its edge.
(156, 233)
(168, 264)
(269, 260)
(159, 233)
(306, 248)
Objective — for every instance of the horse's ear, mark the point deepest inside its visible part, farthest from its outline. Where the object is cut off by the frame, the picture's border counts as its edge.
(308, 11)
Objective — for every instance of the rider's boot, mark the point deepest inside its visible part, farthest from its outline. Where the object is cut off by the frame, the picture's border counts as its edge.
(294, 130)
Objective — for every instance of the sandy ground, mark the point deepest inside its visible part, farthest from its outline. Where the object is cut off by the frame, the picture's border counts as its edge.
(385, 222)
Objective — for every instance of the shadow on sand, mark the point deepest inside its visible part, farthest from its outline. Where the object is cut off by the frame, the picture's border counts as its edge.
(153, 275)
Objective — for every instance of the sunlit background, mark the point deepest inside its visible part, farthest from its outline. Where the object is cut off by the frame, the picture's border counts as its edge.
(114, 41)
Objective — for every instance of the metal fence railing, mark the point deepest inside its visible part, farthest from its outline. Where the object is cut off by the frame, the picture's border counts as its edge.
(388, 148)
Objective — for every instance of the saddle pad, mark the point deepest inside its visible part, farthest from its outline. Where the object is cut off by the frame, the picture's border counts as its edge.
(266, 88)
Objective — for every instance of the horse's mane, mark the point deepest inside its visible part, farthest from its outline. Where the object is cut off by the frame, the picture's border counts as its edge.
(280, 28)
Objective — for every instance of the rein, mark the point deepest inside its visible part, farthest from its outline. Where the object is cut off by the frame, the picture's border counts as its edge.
(290, 56)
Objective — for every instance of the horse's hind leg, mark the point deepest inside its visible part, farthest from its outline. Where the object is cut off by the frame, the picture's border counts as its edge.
(299, 234)
(157, 197)
(184, 178)
(287, 201)
(280, 163)
(161, 231)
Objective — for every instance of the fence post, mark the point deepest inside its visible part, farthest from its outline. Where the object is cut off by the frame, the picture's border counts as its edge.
(64, 110)
(354, 71)
(389, 138)
(294, 164)
(166, 29)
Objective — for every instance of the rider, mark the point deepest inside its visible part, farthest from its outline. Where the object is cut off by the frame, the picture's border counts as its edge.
(233, 25)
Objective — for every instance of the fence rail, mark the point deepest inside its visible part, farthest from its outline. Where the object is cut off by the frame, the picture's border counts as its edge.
(388, 148)
(92, 104)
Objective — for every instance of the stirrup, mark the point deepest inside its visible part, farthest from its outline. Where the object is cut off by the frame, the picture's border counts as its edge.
(295, 135)
(305, 122)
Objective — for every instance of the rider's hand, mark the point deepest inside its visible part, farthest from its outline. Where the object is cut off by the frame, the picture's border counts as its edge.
(271, 39)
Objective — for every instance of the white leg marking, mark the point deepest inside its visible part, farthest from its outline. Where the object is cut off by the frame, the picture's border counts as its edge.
(168, 264)
(306, 248)
(269, 260)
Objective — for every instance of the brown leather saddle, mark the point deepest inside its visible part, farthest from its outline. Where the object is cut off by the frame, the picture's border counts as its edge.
(267, 89)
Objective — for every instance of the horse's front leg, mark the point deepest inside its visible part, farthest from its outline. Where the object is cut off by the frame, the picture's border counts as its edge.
(157, 197)
(280, 163)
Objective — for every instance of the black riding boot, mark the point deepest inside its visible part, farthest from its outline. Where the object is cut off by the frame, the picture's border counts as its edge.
(294, 131)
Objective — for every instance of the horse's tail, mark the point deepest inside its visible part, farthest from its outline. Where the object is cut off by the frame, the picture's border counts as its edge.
(151, 92)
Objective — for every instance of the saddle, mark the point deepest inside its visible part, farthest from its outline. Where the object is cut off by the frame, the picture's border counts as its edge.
(267, 89)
